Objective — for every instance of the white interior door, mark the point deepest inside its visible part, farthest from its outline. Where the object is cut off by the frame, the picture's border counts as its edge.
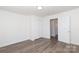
(64, 29)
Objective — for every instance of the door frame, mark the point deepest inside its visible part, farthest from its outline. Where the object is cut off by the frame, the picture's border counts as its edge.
(50, 24)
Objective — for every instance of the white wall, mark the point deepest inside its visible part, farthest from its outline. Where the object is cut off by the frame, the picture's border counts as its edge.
(36, 27)
(53, 27)
(15, 27)
(74, 15)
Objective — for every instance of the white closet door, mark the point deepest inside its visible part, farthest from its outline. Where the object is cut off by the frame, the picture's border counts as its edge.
(64, 29)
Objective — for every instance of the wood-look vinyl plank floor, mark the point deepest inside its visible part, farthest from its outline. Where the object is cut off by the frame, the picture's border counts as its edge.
(41, 45)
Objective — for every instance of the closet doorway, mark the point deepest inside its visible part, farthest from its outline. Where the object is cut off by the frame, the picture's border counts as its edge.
(54, 29)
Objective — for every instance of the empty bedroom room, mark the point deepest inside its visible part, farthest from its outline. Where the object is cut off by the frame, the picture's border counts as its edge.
(39, 29)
